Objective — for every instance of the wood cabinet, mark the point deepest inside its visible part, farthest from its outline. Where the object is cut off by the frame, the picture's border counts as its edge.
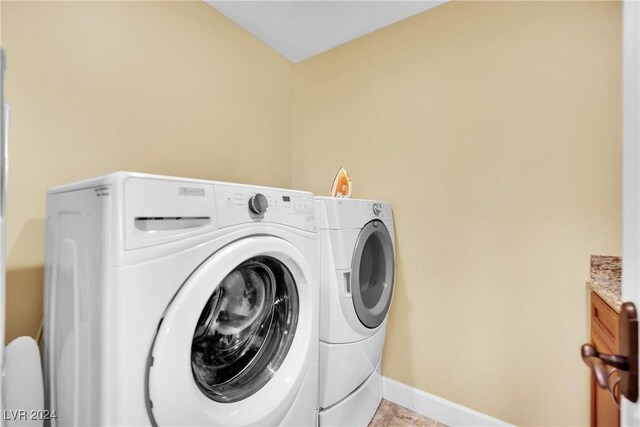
(604, 337)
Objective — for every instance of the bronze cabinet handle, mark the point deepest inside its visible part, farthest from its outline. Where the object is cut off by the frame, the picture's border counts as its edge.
(597, 361)
(626, 362)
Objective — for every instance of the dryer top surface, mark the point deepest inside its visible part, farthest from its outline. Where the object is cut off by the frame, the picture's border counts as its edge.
(345, 213)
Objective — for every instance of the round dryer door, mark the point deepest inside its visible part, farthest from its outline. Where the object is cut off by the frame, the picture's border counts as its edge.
(372, 274)
(233, 344)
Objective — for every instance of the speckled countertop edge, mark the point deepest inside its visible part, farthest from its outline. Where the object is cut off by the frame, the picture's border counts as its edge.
(606, 278)
(611, 293)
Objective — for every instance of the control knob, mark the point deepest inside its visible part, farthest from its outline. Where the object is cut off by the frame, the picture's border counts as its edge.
(258, 204)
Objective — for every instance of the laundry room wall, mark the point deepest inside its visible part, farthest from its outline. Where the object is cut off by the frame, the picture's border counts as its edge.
(494, 129)
(161, 87)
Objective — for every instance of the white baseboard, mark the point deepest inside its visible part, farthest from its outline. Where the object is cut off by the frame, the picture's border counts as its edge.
(435, 407)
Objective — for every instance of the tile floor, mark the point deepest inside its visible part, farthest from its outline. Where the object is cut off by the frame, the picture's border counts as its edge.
(392, 415)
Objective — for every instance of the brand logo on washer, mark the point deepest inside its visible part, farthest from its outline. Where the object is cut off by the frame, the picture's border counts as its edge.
(377, 209)
(191, 191)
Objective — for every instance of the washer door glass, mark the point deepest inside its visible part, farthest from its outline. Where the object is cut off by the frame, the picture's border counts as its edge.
(245, 330)
(372, 274)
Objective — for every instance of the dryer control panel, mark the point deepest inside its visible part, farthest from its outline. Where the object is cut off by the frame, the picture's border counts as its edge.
(372, 210)
(340, 214)
(239, 204)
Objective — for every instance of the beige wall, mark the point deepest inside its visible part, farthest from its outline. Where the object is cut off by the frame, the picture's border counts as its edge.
(495, 131)
(169, 88)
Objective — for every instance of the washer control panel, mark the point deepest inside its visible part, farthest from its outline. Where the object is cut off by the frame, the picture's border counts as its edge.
(238, 204)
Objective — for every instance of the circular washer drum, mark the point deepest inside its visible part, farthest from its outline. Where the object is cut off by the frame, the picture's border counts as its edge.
(245, 330)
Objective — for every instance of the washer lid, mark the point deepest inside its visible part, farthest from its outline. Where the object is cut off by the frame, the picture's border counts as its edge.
(372, 273)
(234, 343)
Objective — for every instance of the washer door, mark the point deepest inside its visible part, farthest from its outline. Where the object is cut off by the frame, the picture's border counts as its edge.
(232, 347)
(372, 274)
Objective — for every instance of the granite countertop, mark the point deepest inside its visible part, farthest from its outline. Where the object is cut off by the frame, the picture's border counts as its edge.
(605, 280)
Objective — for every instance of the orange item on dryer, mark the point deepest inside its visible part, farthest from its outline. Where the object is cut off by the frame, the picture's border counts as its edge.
(342, 184)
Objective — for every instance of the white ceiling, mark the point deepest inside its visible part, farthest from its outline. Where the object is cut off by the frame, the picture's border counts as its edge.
(299, 29)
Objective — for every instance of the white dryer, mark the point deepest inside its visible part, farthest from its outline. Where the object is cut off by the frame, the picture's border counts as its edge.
(171, 301)
(357, 271)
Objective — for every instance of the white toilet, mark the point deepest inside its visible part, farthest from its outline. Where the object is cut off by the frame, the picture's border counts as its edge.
(22, 389)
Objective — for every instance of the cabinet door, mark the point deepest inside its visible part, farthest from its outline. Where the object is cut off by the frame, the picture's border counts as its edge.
(604, 411)
(604, 321)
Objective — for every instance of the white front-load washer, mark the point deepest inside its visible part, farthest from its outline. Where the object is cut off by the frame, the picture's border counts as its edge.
(171, 301)
(357, 269)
